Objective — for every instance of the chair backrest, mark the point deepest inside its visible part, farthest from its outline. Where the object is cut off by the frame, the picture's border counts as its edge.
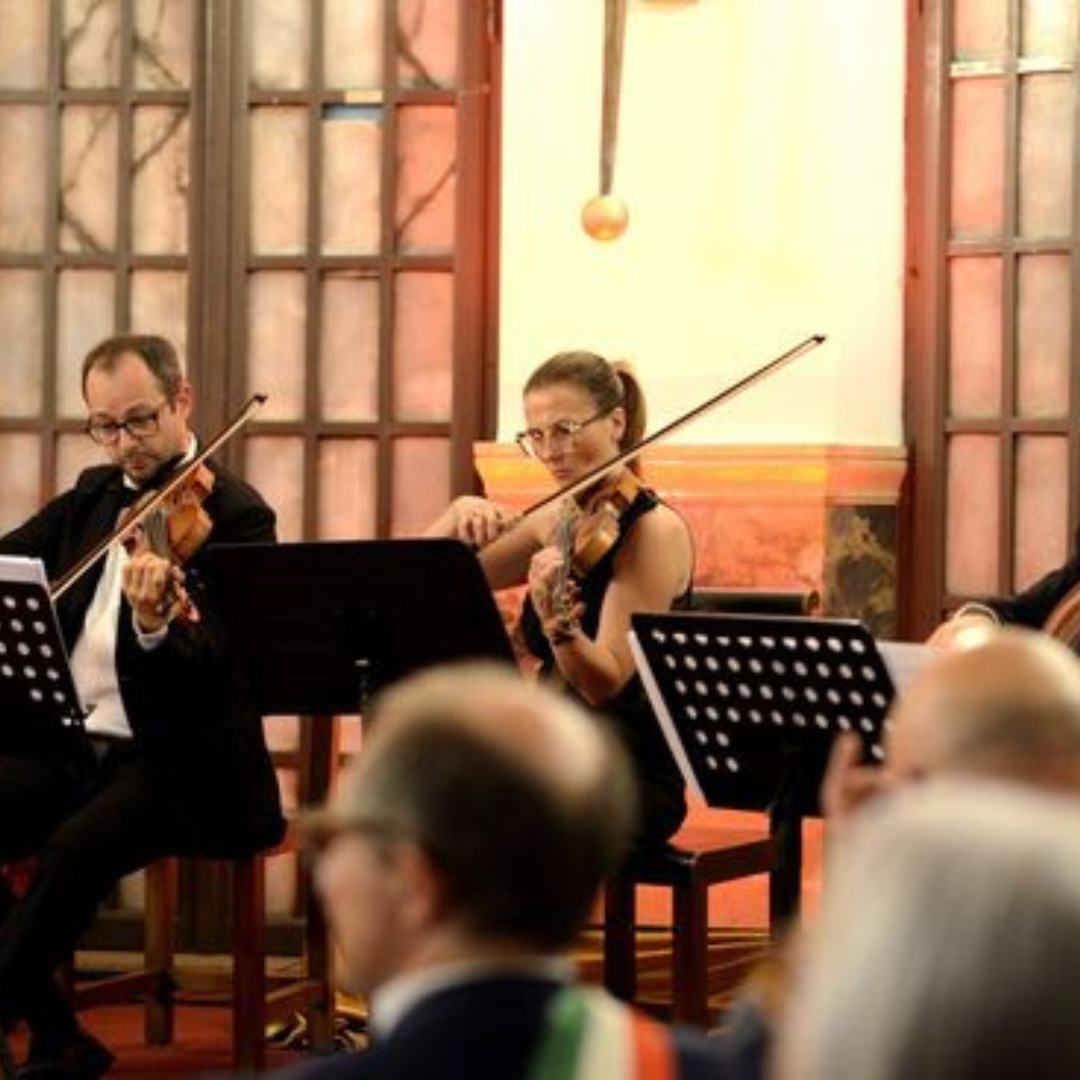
(756, 601)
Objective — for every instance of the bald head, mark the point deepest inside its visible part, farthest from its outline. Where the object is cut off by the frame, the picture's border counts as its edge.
(522, 800)
(1009, 706)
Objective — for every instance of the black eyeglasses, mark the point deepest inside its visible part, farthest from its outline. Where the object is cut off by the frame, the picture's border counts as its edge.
(139, 426)
(560, 436)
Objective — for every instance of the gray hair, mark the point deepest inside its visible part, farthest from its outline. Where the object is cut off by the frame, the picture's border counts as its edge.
(949, 943)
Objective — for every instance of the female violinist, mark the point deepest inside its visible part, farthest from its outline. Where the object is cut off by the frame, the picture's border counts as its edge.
(616, 548)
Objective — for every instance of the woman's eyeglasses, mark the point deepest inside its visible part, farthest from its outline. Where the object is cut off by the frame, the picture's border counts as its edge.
(558, 437)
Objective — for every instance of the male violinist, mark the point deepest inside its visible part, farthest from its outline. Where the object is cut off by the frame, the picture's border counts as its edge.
(175, 763)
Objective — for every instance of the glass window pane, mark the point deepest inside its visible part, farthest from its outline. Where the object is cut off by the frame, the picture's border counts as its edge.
(279, 183)
(164, 36)
(347, 489)
(20, 478)
(972, 516)
(276, 327)
(21, 328)
(85, 316)
(978, 157)
(24, 48)
(161, 181)
(159, 305)
(349, 361)
(1044, 286)
(1046, 153)
(421, 484)
(280, 43)
(88, 137)
(23, 146)
(1048, 28)
(353, 44)
(352, 180)
(975, 337)
(427, 149)
(91, 43)
(274, 466)
(423, 346)
(1042, 475)
(427, 43)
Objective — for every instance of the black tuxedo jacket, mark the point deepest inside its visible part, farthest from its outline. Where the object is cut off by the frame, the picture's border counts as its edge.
(185, 702)
(483, 1030)
(1034, 604)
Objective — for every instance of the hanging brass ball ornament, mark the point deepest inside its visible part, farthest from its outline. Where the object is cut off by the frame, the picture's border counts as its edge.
(605, 217)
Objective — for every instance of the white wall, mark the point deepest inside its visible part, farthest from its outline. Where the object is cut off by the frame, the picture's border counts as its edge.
(761, 155)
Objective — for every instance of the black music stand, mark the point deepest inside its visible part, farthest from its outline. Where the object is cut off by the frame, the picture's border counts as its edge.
(40, 710)
(321, 626)
(750, 706)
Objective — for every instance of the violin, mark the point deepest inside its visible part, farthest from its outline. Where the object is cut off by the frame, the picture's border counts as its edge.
(596, 530)
(174, 530)
(171, 520)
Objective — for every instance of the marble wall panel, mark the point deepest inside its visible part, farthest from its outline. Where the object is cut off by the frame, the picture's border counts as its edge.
(278, 194)
(427, 151)
(85, 315)
(347, 485)
(159, 305)
(91, 47)
(165, 33)
(20, 478)
(1043, 345)
(161, 180)
(353, 44)
(1046, 155)
(423, 346)
(427, 37)
(23, 196)
(352, 182)
(277, 320)
(417, 501)
(88, 170)
(24, 53)
(21, 331)
(274, 464)
(280, 43)
(349, 349)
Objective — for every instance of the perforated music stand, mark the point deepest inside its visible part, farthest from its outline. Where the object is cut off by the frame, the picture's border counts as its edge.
(750, 705)
(40, 710)
(320, 626)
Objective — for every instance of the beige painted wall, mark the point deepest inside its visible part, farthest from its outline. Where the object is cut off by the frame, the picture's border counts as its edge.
(761, 154)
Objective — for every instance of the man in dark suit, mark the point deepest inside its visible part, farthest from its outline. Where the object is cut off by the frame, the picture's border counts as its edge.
(174, 763)
(457, 861)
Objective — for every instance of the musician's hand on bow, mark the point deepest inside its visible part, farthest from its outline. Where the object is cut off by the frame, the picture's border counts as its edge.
(154, 587)
(474, 520)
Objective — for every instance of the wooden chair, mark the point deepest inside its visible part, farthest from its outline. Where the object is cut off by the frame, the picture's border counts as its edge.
(255, 1006)
(700, 858)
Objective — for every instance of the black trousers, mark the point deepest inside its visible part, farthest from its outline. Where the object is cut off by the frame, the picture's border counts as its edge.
(86, 823)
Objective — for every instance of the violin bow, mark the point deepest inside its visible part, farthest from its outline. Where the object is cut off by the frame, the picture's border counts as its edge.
(139, 511)
(590, 478)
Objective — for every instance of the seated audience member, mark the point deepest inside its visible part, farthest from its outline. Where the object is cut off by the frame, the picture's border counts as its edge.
(948, 943)
(456, 862)
(1007, 707)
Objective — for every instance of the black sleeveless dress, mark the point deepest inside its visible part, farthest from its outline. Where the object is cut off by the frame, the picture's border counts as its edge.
(660, 784)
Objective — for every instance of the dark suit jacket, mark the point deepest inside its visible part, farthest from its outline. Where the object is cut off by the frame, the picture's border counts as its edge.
(483, 1030)
(186, 703)
(1034, 604)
